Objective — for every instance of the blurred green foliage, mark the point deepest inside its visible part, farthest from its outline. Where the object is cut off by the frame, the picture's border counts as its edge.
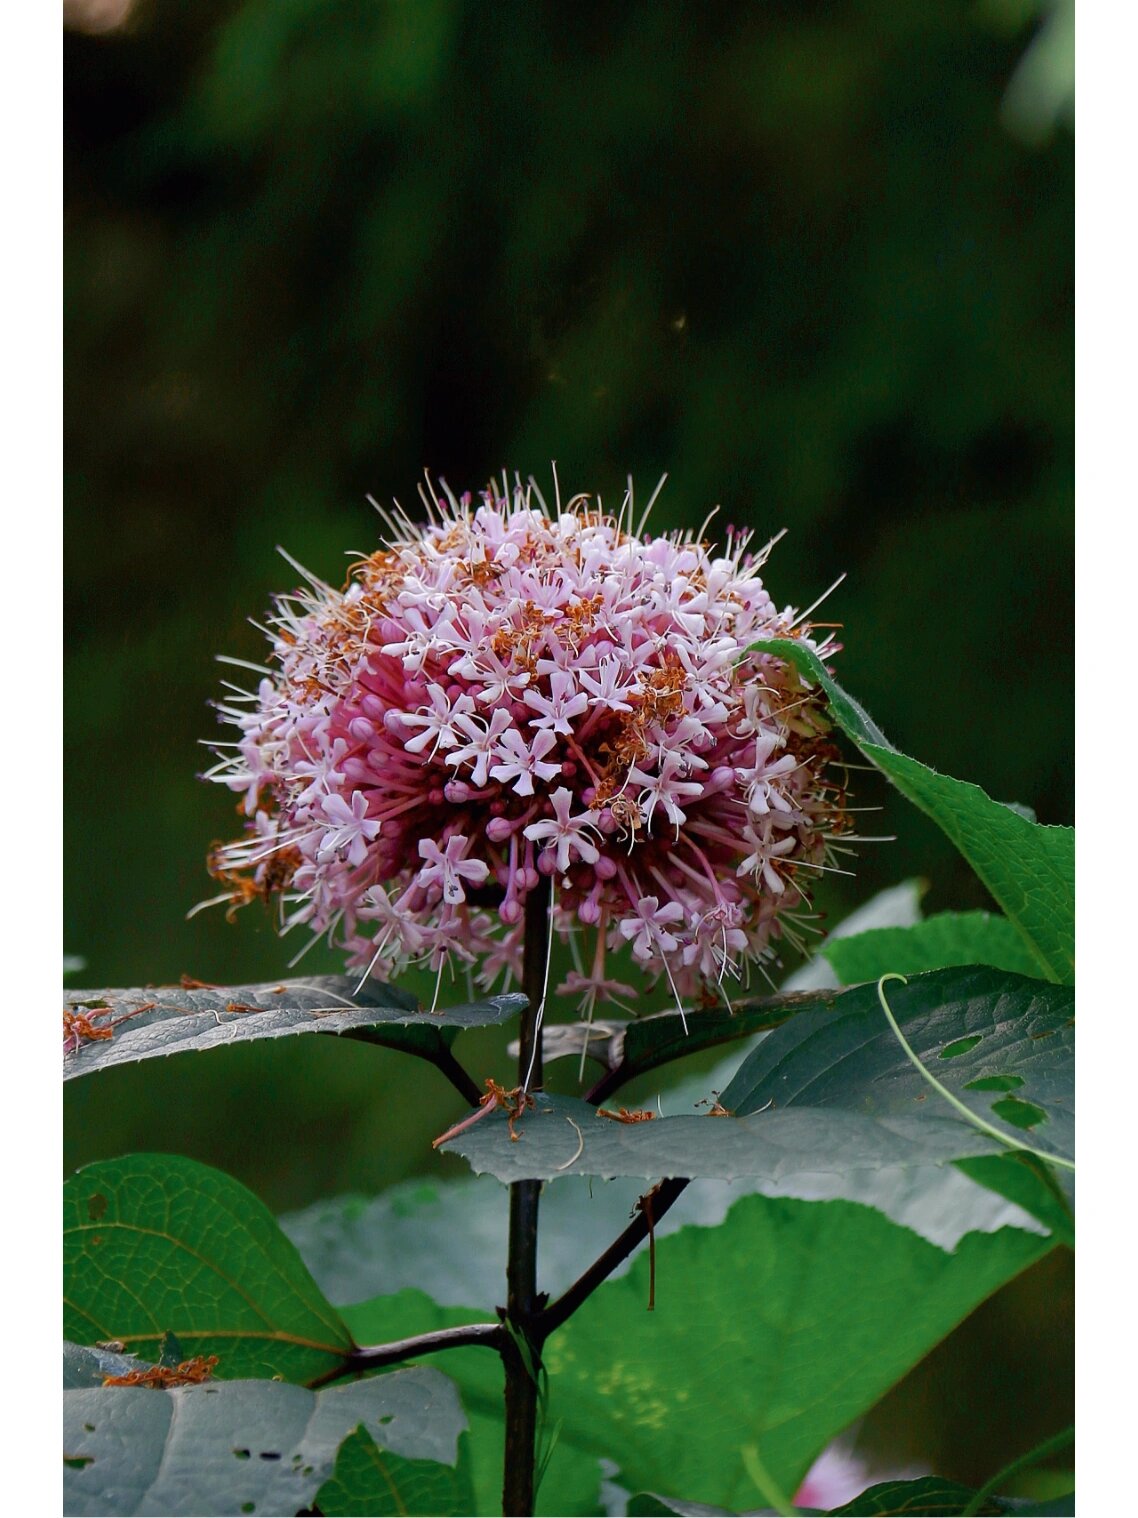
(786, 252)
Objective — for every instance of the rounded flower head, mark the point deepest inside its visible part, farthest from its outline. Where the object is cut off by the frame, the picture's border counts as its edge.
(503, 694)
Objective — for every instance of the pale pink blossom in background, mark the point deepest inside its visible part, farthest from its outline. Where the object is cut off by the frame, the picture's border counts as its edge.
(96, 15)
(839, 1475)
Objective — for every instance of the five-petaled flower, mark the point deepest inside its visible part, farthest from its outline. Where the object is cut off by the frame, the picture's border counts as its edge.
(564, 833)
(447, 868)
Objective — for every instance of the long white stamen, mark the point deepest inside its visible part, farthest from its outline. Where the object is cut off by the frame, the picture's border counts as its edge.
(540, 1018)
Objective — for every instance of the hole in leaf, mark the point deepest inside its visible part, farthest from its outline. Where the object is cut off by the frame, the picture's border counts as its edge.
(387, 1418)
(1019, 1113)
(269, 1455)
(995, 1083)
(90, 1427)
(78, 1462)
(96, 1206)
(960, 1046)
(242, 1454)
(248, 1507)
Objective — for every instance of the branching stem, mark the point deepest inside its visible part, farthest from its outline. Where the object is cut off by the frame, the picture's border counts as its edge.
(562, 1310)
(374, 1356)
(458, 1077)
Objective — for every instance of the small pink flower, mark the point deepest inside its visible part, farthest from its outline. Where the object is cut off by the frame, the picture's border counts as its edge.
(647, 931)
(520, 762)
(563, 702)
(478, 743)
(436, 721)
(448, 868)
(564, 832)
(350, 833)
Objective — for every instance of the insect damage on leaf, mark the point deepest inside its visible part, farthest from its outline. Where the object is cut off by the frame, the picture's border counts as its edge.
(191, 1372)
(79, 1023)
(513, 1103)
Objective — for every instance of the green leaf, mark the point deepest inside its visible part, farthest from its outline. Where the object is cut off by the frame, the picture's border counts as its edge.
(370, 1482)
(831, 1091)
(242, 1447)
(975, 1029)
(950, 938)
(650, 1505)
(155, 1244)
(566, 1136)
(653, 1041)
(405, 1237)
(1028, 868)
(897, 906)
(928, 1495)
(166, 1020)
(934, 1497)
(634, 1048)
(776, 1329)
(90, 1367)
(1030, 1184)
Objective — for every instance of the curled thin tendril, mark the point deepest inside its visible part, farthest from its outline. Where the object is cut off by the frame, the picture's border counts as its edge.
(966, 1112)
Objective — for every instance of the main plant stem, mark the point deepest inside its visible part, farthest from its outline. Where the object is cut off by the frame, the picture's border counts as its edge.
(522, 1303)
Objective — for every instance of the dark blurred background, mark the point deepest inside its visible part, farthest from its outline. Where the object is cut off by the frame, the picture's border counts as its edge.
(814, 260)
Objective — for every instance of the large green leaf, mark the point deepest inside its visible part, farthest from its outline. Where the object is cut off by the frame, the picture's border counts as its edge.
(1002, 1044)
(925, 1497)
(242, 1447)
(371, 1482)
(405, 1238)
(566, 1136)
(632, 1049)
(831, 1091)
(897, 906)
(84, 1366)
(357, 1246)
(162, 1020)
(1028, 868)
(776, 1329)
(950, 938)
(850, 1275)
(651, 1505)
(653, 1041)
(1029, 1184)
(155, 1244)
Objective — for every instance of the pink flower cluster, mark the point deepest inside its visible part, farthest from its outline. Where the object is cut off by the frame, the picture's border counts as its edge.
(505, 693)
